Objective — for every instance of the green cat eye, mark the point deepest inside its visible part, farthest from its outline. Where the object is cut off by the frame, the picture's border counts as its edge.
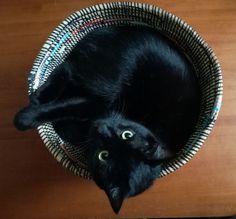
(102, 156)
(127, 134)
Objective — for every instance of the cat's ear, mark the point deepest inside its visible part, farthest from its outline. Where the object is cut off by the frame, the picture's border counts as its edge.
(116, 198)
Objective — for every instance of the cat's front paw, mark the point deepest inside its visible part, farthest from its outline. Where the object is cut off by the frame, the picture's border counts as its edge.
(150, 151)
(162, 153)
(26, 118)
(156, 151)
(34, 99)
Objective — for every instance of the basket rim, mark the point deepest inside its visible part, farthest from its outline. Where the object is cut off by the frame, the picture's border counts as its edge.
(183, 156)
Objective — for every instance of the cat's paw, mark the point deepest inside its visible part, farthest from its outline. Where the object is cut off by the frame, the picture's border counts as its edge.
(150, 151)
(157, 151)
(162, 153)
(34, 99)
(26, 118)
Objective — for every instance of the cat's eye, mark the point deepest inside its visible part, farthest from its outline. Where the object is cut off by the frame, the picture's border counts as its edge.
(103, 155)
(127, 134)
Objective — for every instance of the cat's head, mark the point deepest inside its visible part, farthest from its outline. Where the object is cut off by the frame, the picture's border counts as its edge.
(124, 157)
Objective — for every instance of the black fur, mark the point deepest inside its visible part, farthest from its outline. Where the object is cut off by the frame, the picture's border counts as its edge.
(120, 79)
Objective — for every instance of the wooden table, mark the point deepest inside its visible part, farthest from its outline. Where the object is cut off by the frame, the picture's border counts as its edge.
(34, 185)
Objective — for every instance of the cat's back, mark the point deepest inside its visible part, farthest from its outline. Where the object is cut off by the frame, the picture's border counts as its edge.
(109, 47)
(127, 55)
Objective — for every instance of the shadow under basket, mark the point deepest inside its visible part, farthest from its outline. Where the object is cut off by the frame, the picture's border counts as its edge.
(75, 27)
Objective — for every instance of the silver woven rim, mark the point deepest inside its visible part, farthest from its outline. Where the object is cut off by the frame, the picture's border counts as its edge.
(76, 26)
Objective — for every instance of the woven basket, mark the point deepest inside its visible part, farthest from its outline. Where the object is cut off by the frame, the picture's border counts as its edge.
(75, 27)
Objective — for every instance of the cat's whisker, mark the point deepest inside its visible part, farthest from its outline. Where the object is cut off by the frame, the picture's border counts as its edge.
(84, 142)
(123, 109)
(87, 141)
(117, 115)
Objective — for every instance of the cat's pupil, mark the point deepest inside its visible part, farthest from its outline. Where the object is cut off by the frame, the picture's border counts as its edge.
(127, 134)
(103, 155)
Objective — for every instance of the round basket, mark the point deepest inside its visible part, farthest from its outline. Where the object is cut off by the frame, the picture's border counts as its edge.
(75, 27)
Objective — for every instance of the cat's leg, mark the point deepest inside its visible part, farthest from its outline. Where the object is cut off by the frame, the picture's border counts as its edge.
(52, 88)
(33, 116)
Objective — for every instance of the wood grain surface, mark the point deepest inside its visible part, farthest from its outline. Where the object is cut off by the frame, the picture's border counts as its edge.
(34, 185)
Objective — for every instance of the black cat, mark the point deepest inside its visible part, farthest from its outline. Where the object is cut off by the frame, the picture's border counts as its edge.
(131, 94)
